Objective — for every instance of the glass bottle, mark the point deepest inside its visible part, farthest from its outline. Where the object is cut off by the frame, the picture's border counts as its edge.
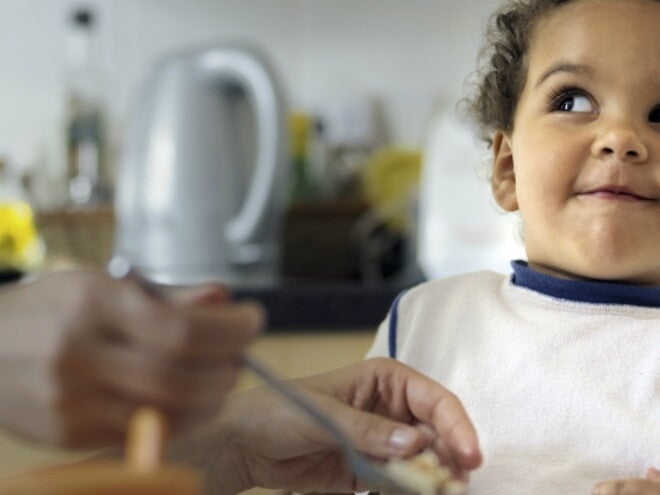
(86, 164)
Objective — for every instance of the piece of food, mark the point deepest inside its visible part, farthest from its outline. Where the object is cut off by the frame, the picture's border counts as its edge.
(424, 474)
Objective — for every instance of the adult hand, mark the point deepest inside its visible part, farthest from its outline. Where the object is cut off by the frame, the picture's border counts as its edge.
(80, 351)
(647, 486)
(387, 408)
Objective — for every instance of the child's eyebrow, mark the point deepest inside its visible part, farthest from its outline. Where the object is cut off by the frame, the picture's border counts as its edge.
(564, 67)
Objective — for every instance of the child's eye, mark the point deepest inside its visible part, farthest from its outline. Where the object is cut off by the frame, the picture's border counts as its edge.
(575, 103)
(654, 116)
(570, 99)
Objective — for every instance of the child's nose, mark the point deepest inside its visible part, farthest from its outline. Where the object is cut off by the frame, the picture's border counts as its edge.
(620, 140)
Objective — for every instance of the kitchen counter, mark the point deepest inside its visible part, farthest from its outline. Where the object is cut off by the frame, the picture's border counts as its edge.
(303, 353)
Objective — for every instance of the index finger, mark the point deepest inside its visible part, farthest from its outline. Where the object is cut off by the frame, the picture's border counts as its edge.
(435, 405)
(181, 330)
(203, 332)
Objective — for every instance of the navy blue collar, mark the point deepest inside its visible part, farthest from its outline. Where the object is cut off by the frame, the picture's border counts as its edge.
(587, 291)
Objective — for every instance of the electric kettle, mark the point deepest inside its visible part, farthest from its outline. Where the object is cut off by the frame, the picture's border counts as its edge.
(202, 183)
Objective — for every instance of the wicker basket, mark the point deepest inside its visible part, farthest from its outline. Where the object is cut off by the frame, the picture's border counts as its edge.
(81, 237)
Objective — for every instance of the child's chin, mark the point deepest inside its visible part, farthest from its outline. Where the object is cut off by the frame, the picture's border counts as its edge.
(620, 273)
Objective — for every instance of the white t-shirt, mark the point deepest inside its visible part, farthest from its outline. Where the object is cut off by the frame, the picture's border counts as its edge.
(561, 378)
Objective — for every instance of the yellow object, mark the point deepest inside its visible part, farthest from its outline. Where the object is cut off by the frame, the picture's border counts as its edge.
(147, 434)
(388, 180)
(20, 245)
(300, 126)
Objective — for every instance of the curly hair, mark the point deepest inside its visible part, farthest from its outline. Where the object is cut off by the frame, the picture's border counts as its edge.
(502, 67)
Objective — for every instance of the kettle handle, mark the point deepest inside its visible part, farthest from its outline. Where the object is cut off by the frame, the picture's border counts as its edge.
(250, 67)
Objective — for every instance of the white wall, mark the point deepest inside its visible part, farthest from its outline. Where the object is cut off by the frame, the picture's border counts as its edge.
(407, 53)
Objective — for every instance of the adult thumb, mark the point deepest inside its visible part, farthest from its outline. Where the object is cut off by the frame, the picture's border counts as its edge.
(377, 435)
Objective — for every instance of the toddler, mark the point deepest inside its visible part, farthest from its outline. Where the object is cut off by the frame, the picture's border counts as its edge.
(558, 364)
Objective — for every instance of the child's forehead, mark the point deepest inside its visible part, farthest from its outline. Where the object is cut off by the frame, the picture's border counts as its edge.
(590, 12)
(593, 28)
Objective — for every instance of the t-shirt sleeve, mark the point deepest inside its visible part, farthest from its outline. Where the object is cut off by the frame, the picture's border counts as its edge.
(379, 347)
(385, 343)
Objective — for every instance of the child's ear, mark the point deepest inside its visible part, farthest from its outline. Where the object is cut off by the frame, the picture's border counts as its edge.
(503, 182)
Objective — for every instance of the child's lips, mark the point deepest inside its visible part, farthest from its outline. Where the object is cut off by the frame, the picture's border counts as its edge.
(617, 193)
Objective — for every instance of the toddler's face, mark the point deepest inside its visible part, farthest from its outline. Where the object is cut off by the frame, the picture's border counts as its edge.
(583, 161)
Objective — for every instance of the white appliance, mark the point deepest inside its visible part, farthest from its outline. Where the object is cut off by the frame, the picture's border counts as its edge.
(204, 169)
(460, 227)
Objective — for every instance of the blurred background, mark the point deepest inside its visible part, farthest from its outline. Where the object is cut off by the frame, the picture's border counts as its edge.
(405, 53)
(131, 132)
(383, 185)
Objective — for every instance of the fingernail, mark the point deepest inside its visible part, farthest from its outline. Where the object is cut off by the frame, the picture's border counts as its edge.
(402, 438)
